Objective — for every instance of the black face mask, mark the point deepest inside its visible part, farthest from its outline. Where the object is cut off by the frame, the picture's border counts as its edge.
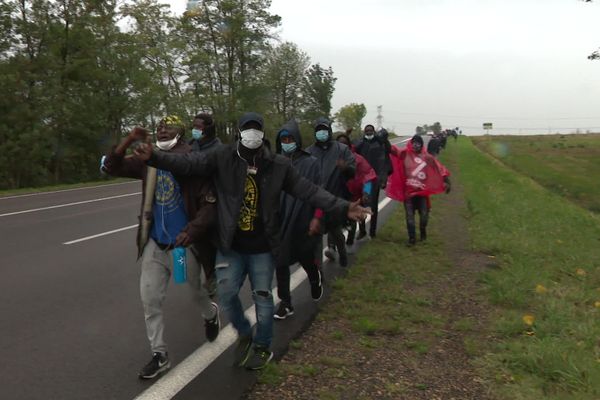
(417, 147)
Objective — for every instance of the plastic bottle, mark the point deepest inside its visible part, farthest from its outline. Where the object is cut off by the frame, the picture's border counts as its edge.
(179, 264)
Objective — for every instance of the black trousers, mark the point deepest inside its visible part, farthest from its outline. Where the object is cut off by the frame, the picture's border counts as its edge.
(307, 254)
(374, 209)
(412, 205)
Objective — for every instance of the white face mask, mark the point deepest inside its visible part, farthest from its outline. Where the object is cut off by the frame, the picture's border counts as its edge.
(251, 138)
(166, 145)
(369, 136)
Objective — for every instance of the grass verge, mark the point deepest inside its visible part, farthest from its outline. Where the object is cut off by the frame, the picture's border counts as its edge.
(547, 287)
(566, 164)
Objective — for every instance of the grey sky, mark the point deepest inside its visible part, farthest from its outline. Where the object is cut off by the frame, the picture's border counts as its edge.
(520, 64)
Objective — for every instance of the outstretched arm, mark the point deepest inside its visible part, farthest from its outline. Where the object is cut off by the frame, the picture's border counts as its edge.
(194, 163)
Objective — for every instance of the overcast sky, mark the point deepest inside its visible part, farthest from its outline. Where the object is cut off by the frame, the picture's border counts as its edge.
(520, 64)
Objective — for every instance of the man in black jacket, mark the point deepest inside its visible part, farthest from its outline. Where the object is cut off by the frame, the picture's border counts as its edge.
(372, 148)
(301, 239)
(249, 180)
(337, 167)
(204, 138)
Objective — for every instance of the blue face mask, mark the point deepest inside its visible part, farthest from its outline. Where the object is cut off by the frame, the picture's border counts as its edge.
(196, 133)
(289, 147)
(322, 135)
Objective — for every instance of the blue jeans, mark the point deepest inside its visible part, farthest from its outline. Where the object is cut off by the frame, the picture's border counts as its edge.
(232, 268)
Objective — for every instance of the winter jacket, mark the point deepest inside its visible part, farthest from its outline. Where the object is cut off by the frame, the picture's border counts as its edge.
(295, 213)
(364, 174)
(229, 172)
(198, 195)
(333, 178)
(374, 152)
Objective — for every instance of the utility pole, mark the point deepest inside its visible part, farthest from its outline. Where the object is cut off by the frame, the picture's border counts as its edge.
(379, 118)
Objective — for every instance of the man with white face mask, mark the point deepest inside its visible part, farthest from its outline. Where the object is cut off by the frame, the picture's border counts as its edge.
(372, 148)
(249, 180)
(176, 211)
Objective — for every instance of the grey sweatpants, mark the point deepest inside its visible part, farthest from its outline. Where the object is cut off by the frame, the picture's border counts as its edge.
(157, 266)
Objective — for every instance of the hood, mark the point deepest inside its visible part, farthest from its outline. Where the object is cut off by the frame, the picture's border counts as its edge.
(292, 127)
(383, 134)
(326, 122)
(416, 138)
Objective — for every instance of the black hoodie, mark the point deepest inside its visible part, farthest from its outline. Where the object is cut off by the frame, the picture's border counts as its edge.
(295, 213)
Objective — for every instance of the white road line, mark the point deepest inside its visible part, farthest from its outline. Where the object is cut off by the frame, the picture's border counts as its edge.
(69, 204)
(193, 365)
(67, 190)
(101, 234)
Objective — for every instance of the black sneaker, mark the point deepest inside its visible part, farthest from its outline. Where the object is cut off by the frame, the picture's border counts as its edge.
(316, 288)
(411, 242)
(283, 311)
(242, 350)
(330, 254)
(259, 359)
(212, 326)
(159, 363)
(361, 235)
(423, 236)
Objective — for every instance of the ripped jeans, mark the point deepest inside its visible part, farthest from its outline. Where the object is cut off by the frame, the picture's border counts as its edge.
(232, 268)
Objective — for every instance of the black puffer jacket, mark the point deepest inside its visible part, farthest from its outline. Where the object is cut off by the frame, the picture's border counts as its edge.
(229, 171)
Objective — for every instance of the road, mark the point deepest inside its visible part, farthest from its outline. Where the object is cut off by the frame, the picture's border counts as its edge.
(71, 321)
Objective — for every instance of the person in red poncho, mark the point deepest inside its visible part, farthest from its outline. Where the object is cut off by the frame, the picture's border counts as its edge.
(361, 186)
(417, 175)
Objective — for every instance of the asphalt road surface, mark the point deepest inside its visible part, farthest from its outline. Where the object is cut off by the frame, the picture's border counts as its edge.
(71, 321)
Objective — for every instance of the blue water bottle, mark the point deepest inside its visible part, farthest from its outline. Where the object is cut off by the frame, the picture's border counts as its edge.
(179, 265)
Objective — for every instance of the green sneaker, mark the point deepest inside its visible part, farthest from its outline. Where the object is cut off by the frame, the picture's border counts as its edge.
(259, 359)
(242, 350)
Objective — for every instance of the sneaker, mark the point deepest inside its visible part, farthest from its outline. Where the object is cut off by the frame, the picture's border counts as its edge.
(260, 358)
(423, 236)
(316, 288)
(411, 242)
(284, 311)
(361, 235)
(330, 254)
(242, 350)
(159, 363)
(212, 326)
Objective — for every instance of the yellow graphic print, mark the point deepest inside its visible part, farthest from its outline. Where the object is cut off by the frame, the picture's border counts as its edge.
(249, 210)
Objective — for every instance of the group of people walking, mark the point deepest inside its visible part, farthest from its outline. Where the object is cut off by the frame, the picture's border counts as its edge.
(244, 210)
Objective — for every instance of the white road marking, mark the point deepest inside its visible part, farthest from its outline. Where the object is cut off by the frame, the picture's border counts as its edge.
(67, 190)
(101, 234)
(179, 377)
(69, 204)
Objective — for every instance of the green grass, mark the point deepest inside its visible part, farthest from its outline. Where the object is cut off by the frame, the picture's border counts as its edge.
(565, 164)
(107, 181)
(538, 237)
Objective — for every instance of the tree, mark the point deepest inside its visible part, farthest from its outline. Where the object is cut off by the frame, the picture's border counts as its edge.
(350, 116)
(285, 69)
(318, 88)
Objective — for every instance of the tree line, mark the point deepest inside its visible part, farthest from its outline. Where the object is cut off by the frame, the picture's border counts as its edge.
(76, 74)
